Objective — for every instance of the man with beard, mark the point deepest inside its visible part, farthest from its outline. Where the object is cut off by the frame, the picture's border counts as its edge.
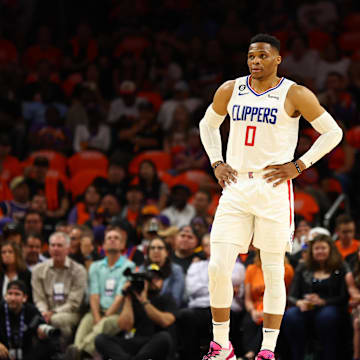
(21, 324)
(180, 212)
(106, 281)
(32, 251)
(146, 320)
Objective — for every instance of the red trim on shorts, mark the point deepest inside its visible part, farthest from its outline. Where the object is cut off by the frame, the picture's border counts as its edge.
(289, 191)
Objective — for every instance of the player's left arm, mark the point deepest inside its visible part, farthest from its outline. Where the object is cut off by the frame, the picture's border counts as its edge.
(304, 102)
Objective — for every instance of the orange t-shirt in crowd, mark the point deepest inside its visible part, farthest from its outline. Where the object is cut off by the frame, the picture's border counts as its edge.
(11, 167)
(305, 205)
(354, 246)
(254, 277)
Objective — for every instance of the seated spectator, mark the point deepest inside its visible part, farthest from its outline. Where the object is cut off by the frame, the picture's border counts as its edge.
(127, 104)
(9, 165)
(17, 207)
(173, 275)
(12, 232)
(184, 248)
(345, 229)
(53, 188)
(198, 313)
(149, 317)
(75, 239)
(320, 297)
(201, 202)
(52, 134)
(200, 227)
(134, 204)
(169, 235)
(301, 235)
(254, 296)
(12, 267)
(85, 210)
(142, 134)
(155, 191)
(59, 286)
(42, 49)
(39, 204)
(93, 136)
(88, 253)
(32, 251)
(353, 284)
(116, 182)
(193, 156)
(16, 311)
(106, 281)
(179, 212)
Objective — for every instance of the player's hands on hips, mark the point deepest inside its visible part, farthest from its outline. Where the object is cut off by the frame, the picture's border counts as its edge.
(225, 174)
(278, 174)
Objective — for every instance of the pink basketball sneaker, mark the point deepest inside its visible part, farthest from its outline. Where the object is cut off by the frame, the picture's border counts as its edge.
(218, 353)
(265, 354)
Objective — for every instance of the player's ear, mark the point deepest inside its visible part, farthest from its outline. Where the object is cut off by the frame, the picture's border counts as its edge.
(278, 59)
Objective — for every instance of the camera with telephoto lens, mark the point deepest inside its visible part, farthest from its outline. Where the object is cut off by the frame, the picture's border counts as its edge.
(50, 331)
(137, 279)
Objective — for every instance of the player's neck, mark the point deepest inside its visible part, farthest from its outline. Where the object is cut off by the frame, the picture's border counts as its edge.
(261, 85)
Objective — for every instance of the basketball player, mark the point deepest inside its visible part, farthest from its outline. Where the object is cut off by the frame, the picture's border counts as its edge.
(257, 197)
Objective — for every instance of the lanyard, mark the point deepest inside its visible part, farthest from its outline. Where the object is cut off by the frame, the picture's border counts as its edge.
(8, 327)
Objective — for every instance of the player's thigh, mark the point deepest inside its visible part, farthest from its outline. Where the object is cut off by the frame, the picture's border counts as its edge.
(232, 226)
(272, 236)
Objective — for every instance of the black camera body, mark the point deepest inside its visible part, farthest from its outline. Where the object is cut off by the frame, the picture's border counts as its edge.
(137, 280)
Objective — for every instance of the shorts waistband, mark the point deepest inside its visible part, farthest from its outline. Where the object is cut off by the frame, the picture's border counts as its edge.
(252, 174)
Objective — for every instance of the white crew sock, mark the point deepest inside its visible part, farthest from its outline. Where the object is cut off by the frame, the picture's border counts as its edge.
(221, 333)
(269, 339)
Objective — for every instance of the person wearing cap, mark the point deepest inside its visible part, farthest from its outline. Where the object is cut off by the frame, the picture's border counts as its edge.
(40, 182)
(17, 207)
(20, 325)
(127, 104)
(106, 281)
(179, 212)
(146, 319)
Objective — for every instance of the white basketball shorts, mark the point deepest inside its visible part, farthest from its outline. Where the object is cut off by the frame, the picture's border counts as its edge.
(253, 210)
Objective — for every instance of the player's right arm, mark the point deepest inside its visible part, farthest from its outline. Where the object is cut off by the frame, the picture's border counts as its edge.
(210, 133)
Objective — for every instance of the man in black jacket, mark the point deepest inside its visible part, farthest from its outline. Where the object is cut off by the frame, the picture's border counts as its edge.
(21, 325)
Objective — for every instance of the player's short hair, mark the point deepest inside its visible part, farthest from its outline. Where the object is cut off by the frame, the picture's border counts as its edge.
(266, 38)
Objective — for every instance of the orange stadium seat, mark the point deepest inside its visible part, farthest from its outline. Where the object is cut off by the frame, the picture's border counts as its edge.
(87, 160)
(305, 205)
(82, 179)
(161, 159)
(353, 137)
(57, 160)
(60, 176)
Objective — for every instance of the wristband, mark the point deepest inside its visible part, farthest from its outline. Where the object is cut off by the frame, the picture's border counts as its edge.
(297, 167)
(145, 302)
(217, 164)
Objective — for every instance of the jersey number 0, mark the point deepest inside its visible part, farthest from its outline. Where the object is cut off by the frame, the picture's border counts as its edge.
(250, 135)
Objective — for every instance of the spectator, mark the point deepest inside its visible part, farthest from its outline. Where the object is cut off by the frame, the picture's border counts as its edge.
(9, 165)
(106, 281)
(85, 210)
(42, 49)
(17, 207)
(201, 202)
(169, 235)
(198, 312)
(15, 312)
(254, 296)
(179, 212)
(134, 199)
(149, 316)
(173, 275)
(32, 251)
(320, 295)
(353, 284)
(59, 286)
(75, 239)
(184, 248)
(12, 232)
(88, 253)
(33, 223)
(52, 188)
(127, 104)
(12, 267)
(345, 229)
(116, 182)
(155, 191)
(93, 136)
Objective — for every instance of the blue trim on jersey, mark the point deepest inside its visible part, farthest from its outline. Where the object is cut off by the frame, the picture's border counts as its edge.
(255, 93)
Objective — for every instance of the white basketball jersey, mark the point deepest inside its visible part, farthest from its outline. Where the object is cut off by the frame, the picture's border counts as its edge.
(261, 132)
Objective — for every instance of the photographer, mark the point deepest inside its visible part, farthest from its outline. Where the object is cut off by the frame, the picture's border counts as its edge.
(21, 324)
(146, 320)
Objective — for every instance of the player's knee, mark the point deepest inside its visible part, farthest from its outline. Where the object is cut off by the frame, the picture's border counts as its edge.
(274, 279)
(217, 272)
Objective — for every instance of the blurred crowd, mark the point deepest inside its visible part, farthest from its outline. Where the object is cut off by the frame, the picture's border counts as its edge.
(102, 170)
